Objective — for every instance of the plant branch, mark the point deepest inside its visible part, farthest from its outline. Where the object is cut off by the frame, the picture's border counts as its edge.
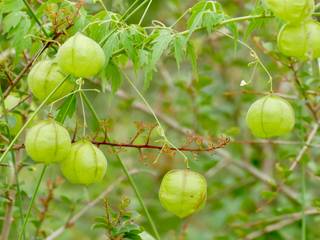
(222, 143)
(310, 138)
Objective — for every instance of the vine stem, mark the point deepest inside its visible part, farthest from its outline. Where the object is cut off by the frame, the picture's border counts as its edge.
(34, 16)
(32, 201)
(145, 12)
(82, 107)
(256, 57)
(303, 203)
(125, 170)
(14, 163)
(31, 118)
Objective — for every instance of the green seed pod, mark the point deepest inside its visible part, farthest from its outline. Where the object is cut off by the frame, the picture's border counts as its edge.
(85, 164)
(15, 123)
(183, 192)
(44, 77)
(48, 142)
(15, 120)
(291, 10)
(81, 56)
(270, 116)
(301, 41)
(10, 102)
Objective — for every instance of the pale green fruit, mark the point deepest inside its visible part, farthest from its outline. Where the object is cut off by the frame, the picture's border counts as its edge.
(301, 41)
(291, 10)
(85, 164)
(270, 116)
(15, 123)
(44, 77)
(48, 142)
(183, 192)
(146, 236)
(11, 101)
(81, 56)
(15, 120)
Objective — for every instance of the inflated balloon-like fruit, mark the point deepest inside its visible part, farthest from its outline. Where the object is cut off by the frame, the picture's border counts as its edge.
(81, 56)
(10, 102)
(15, 120)
(85, 164)
(44, 77)
(48, 142)
(270, 116)
(291, 10)
(183, 192)
(301, 40)
(15, 123)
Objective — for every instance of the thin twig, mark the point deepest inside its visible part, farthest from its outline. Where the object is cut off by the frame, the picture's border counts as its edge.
(310, 138)
(222, 143)
(281, 224)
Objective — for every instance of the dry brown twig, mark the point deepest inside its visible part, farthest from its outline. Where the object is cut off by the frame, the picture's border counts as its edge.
(222, 142)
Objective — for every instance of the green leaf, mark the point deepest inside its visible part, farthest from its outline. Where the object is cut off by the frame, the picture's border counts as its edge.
(80, 22)
(234, 29)
(101, 25)
(212, 19)
(95, 119)
(193, 58)
(195, 19)
(11, 5)
(160, 44)
(144, 57)
(67, 109)
(111, 44)
(206, 14)
(180, 43)
(128, 45)
(18, 35)
(114, 76)
(11, 20)
(99, 225)
(196, 10)
(147, 77)
(254, 23)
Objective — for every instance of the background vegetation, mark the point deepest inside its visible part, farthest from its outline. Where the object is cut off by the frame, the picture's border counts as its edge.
(199, 64)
